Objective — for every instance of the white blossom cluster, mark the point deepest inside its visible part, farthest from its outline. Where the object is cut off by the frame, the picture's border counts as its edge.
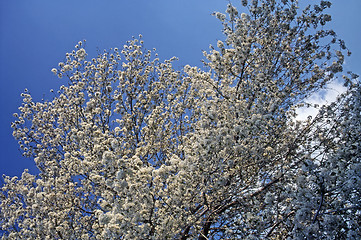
(130, 148)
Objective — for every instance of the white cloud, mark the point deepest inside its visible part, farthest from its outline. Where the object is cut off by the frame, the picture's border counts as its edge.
(323, 97)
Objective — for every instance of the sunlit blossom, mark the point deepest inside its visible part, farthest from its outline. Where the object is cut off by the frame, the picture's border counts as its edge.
(130, 148)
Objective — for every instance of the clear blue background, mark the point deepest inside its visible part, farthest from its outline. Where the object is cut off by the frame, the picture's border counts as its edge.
(36, 34)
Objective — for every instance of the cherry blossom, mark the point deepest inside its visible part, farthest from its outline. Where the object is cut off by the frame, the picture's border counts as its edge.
(130, 148)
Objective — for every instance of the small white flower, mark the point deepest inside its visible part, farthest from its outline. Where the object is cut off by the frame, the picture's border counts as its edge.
(120, 174)
(220, 44)
(244, 16)
(81, 53)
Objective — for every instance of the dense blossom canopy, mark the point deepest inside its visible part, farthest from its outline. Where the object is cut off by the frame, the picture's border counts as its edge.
(130, 148)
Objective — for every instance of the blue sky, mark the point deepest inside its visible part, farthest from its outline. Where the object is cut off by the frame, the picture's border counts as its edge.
(36, 34)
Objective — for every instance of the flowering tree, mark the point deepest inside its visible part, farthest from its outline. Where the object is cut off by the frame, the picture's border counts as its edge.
(132, 149)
